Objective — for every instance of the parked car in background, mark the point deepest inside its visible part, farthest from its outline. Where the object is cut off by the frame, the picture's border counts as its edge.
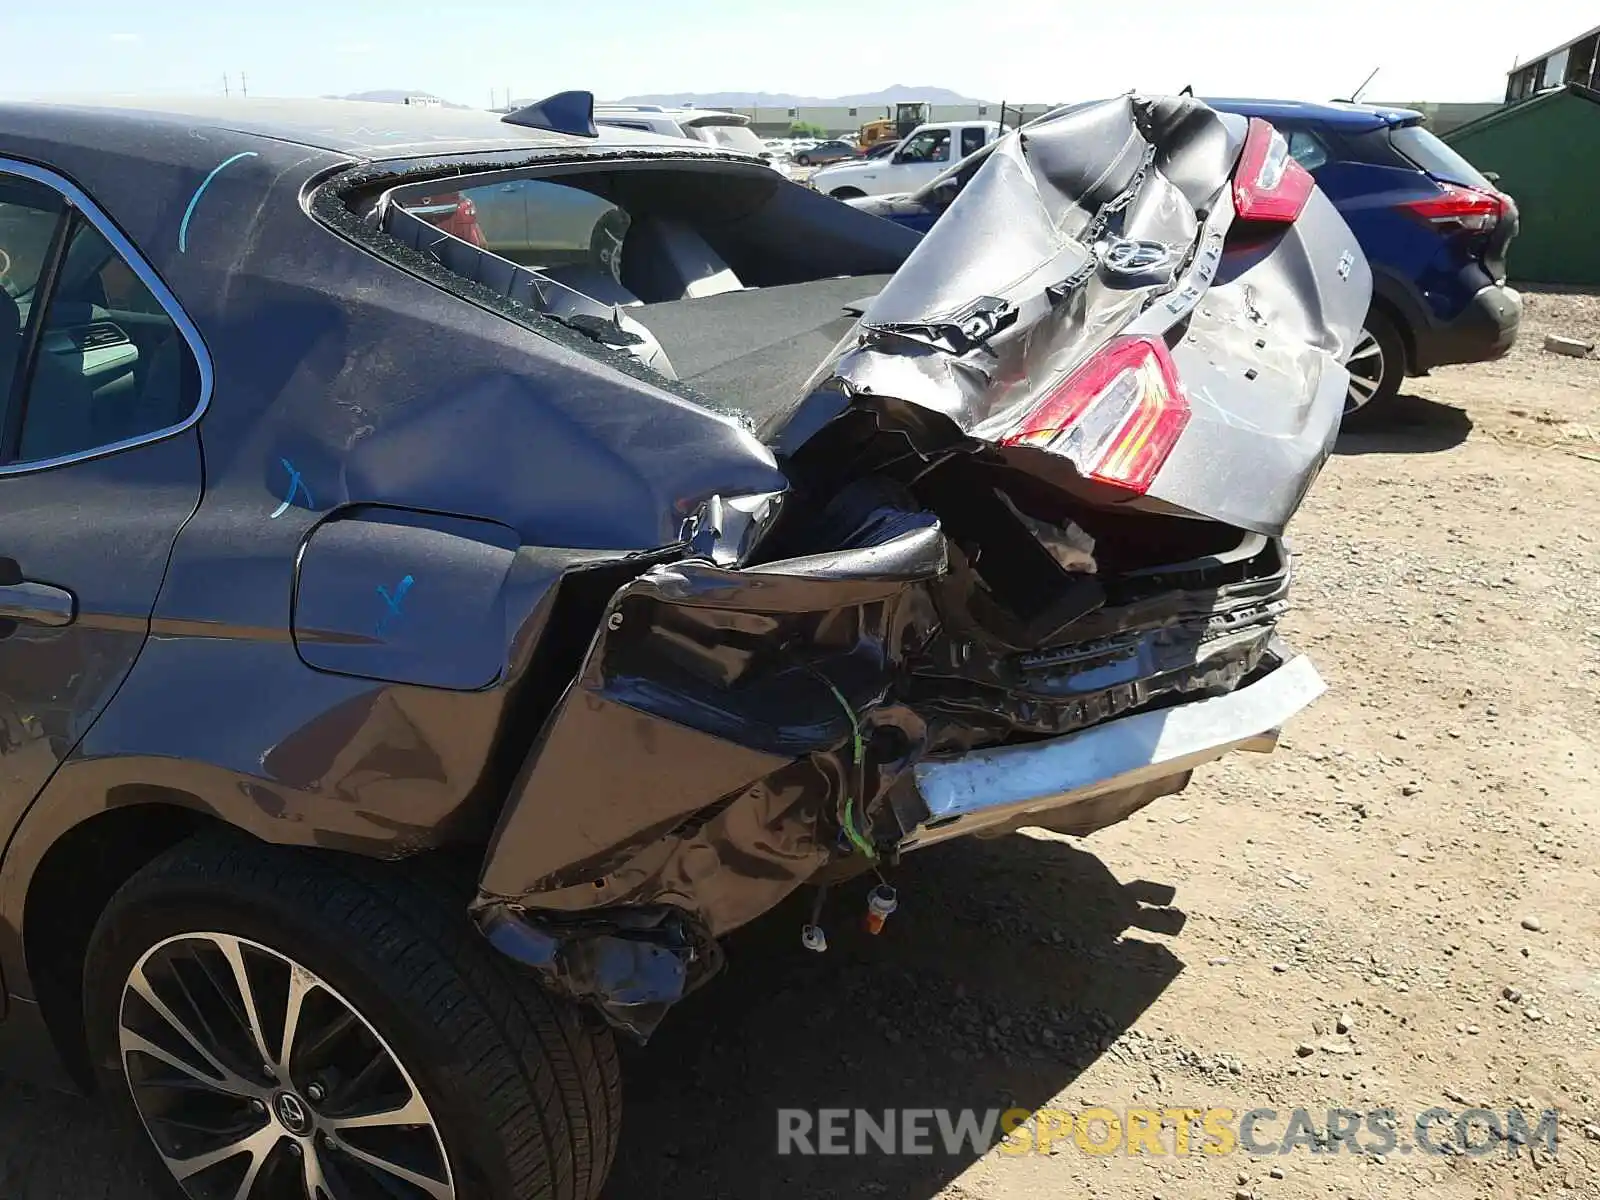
(454, 213)
(830, 151)
(919, 209)
(916, 160)
(1433, 228)
(729, 130)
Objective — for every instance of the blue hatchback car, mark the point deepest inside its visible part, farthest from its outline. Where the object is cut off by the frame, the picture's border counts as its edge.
(1434, 230)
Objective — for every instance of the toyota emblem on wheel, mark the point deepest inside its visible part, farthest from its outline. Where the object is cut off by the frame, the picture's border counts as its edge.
(292, 1113)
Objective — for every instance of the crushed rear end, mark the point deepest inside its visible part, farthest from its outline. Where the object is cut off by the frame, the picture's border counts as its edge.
(1027, 571)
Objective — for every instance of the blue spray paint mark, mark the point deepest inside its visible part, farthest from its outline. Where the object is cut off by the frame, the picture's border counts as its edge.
(393, 601)
(296, 485)
(183, 227)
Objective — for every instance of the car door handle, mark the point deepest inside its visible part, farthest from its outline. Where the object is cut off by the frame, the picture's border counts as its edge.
(37, 604)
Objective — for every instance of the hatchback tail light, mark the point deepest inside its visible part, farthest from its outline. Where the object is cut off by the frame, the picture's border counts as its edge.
(1116, 418)
(1459, 207)
(1269, 185)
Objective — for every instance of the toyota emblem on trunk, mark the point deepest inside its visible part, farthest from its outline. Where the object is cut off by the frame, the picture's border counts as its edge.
(1129, 256)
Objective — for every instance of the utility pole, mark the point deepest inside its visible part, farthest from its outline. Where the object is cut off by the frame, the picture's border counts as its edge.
(243, 90)
(225, 90)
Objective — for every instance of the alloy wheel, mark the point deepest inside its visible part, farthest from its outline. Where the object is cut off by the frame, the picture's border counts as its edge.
(1366, 367)
(257, 1081)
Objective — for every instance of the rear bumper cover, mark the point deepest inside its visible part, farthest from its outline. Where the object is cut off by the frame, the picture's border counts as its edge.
(1485, 329)
(735, 734)
(989, 788)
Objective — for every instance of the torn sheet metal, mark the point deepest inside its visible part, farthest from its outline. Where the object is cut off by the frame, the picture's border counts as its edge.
(712, 756)
(1113, 218)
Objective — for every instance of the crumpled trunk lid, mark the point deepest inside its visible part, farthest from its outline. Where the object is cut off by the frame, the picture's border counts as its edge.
(1116, 219)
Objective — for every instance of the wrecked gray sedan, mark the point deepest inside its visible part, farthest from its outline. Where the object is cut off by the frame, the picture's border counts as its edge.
(463, 568)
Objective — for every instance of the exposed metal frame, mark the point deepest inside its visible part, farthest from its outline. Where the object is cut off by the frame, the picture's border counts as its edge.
(78, 200)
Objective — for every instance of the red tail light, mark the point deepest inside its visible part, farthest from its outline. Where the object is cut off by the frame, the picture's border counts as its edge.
(1116, 418)
(1463, 207)
(1269, 184)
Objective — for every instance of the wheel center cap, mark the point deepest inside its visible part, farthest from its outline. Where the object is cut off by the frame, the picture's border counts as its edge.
(292, 1112)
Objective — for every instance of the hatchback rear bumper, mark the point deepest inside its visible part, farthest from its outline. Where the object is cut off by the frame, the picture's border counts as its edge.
(1485, 329)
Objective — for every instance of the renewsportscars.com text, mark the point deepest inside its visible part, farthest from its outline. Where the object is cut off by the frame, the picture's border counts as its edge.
(1473, 1132)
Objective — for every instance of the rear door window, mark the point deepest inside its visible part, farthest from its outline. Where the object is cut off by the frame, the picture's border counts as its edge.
(29, 215)
(1425, 150)
(110, 363)
(972, 140)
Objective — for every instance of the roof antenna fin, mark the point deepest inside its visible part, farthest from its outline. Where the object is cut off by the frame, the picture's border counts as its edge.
(565, 112)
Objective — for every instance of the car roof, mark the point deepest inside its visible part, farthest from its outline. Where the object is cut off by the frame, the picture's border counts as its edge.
(1337, 113)
(362, 129)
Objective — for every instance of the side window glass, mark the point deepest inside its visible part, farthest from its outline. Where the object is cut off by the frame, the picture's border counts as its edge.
(29, 215)
(940, 151)
(1305, 149)
(920, 148)
(971, 141)
(111, 364)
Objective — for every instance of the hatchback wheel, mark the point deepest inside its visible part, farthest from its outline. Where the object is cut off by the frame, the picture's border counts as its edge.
(285, 1026)
(1377, 365)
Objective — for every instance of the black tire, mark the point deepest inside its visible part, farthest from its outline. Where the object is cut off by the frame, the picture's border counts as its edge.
(846, 193)
(524, 1089)
(1377, 368)
(803, 159)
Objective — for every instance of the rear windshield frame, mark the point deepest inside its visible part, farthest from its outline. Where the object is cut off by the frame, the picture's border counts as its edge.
(1435, 157)
(346, 201)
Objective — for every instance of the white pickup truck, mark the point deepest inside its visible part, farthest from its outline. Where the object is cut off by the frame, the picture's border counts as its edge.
(925, 151)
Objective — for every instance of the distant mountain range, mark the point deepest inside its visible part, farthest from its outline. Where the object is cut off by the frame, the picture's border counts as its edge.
(395, 96)
(889, 95)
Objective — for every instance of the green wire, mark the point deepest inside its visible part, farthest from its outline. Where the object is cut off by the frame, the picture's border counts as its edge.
(856, 839)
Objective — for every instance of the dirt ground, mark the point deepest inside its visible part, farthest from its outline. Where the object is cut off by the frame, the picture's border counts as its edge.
(1400, 909)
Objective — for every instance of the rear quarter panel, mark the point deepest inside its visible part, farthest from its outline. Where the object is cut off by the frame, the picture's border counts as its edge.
(1397, 244)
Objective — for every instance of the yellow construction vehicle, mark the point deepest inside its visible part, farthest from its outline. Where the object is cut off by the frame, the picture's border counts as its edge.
(874, 132)
(907, 116)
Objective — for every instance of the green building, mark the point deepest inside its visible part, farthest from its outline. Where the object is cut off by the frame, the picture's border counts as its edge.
(1545, 152)
(1543, 147)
